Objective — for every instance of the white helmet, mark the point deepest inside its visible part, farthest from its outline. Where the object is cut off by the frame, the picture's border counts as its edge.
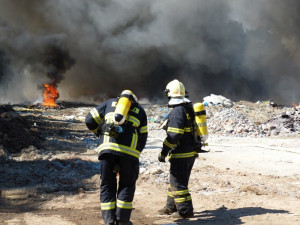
(175, 89)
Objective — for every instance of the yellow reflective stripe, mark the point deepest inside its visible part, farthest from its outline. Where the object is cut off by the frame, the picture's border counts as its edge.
(175, 130)
(135, 121)
(182, 155)
(124, 205)
(134, 141)
(106, 137)
(119, 148)
(170, 194)
(168, 144)
(187, 129)
(182, 192)
(108, 205)
(96, 116)
(185, 199)
(144, 129)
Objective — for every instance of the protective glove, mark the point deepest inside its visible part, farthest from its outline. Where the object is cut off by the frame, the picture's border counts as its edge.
(161, 158)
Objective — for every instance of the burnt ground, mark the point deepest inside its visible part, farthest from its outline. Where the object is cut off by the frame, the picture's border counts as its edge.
(49, 173)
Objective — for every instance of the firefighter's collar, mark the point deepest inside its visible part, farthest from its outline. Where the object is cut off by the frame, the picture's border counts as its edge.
(177, 101)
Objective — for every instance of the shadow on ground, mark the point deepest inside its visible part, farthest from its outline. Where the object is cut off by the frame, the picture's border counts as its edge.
(226, 216)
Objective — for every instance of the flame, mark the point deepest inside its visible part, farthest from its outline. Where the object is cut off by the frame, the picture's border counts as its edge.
(50, 95)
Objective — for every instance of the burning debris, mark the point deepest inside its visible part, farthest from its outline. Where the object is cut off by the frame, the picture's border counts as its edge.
(50, 95)
(57, 60)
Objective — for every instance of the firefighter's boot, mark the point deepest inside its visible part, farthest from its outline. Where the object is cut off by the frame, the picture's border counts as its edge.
(177, 215)
(124, 223)
(166, 211)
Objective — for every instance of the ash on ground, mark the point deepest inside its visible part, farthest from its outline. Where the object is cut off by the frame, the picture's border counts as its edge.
(50, 150)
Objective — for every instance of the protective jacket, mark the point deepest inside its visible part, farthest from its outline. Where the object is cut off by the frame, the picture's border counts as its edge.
(132, 137)
(179, 142)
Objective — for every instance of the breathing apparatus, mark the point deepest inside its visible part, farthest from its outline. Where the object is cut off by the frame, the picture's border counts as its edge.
(123, 105)
(200, 120)
(120, 115)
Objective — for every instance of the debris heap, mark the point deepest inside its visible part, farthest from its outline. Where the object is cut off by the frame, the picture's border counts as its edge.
(16, 132)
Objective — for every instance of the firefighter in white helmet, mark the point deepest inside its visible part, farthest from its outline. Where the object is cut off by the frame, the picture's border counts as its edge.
(121, 124)
(179, 145)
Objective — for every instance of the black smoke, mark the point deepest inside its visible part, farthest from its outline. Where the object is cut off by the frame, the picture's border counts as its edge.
(56, 62)
(244, 50)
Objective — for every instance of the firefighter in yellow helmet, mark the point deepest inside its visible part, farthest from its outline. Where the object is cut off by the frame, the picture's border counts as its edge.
(121, 124)
(179, 145)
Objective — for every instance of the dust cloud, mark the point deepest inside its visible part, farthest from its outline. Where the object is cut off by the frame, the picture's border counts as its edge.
(241, 49)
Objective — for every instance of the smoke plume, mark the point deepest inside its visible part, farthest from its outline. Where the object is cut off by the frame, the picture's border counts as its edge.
(93, 49)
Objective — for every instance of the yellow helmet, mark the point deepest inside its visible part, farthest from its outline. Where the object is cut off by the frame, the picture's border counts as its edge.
(175, 89)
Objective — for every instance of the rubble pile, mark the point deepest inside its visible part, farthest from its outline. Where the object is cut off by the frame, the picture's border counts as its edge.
(286, 123)
(253, 119)
(229, 121)
(239, 119)
(16, 132)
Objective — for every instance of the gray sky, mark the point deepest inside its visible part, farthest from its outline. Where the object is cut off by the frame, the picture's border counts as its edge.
(93, 49)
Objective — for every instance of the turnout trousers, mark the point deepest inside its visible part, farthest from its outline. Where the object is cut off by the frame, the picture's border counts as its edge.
(179, 198)
(117, 192)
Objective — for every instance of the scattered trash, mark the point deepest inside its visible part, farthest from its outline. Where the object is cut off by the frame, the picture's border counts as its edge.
(213, 100)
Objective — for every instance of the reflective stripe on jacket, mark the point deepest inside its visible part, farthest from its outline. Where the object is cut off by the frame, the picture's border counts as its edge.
(131, 142)
(179, 141)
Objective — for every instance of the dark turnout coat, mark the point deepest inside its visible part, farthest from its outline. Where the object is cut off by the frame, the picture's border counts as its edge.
(131, 141)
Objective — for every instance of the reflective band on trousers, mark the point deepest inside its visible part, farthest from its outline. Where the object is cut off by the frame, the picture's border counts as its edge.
(124, 205)
(184, 199)
(119, 148)
(182, 155)
(182, 192)
(170, 194)
(108, 205)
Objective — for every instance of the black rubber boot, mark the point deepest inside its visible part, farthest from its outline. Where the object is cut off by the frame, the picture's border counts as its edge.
(124, 223)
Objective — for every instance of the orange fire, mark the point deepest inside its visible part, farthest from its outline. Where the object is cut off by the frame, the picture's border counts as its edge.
(50, 95)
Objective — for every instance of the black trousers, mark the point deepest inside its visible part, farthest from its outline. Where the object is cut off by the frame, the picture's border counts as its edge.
(117, 191)
(179, 198)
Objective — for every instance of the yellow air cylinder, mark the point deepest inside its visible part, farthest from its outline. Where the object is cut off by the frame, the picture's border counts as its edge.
(200, 118)
(122, 107)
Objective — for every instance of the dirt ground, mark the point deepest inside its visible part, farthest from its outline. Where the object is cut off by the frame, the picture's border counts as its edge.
(239, 181)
